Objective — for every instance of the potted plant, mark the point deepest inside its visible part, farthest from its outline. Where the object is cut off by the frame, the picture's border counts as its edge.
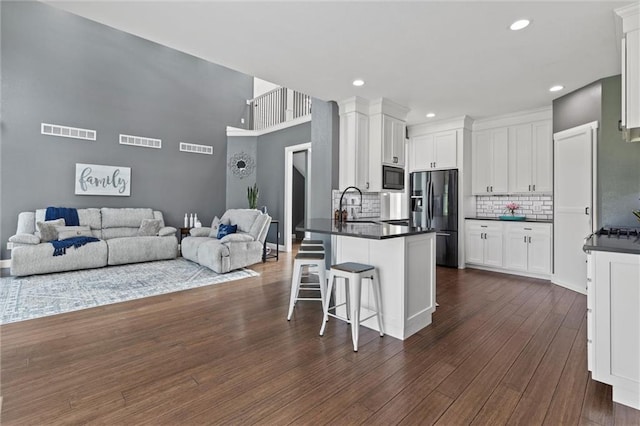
(252, 196)
(512, 207)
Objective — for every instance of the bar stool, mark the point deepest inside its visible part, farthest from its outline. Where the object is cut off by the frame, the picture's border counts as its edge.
(353, 273)
(313, 246)
(315, 259)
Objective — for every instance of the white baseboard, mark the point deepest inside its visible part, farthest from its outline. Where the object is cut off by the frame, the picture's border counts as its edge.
(577, 289)
(273, 246)
(509, 271)
(5, 263)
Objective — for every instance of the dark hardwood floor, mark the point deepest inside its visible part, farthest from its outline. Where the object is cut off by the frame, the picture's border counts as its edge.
(501, 350)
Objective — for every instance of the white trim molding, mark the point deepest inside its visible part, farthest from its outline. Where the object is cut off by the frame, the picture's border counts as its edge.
(235, 131)
(5, 263)
(513, 119)
(288, 187)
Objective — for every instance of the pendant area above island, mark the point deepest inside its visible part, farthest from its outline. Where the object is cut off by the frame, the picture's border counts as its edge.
(405, 259)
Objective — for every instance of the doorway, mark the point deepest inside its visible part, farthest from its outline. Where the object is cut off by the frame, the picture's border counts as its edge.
(297, 173)
(574, 187)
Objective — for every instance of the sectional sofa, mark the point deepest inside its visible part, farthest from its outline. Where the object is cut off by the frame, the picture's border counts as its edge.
(232, 251)
(120, 242)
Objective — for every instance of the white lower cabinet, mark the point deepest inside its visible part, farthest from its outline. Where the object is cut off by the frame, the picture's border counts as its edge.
(523, 247)
(528, 247)
(613, 313)
(483, 243)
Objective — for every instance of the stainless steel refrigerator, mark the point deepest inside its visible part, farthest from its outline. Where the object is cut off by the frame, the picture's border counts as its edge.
(434, 204)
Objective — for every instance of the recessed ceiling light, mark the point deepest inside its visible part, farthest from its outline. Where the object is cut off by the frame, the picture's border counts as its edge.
(431, 115)
(520, 24)
(556, 88)
(358, 82)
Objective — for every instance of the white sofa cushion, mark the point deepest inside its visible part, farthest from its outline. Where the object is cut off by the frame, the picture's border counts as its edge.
(120, 218)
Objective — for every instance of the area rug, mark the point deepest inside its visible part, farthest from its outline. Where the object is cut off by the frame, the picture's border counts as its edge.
(23, 298)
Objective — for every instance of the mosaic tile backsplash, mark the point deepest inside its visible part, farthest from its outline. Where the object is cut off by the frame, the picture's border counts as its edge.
(531, 206)
(351, 201)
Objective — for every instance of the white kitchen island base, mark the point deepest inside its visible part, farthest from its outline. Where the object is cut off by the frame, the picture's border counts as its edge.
(406, 266)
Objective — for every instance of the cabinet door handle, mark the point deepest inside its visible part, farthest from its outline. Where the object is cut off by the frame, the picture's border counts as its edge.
(586, 211)
(529, 240)
(525, 238)
(395, 159)
(529, 187)
(487, 189)
(534, 186)
(491, 188)
(367, 185)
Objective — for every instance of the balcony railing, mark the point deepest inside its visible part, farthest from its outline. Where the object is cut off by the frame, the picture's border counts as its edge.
(277, 106)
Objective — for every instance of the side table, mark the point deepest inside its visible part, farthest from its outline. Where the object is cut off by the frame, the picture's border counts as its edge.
(184, 232)
(266, 256)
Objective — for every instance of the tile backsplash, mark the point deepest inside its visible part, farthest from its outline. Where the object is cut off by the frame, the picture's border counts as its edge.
(531, 206)
(351, 202)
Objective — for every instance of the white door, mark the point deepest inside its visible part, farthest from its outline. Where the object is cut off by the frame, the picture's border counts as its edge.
(398, 142)
(520, 149)
(445, 149)
(573, 203)
(515, 255)
(500, 161)
(474, 245)
(539, 251)
(482, 162)
(542, 158)
(493, 248)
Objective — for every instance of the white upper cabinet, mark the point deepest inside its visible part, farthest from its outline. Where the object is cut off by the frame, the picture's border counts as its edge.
(630, 65)
(433, 151)
(354, 146)
(490, 161)
(512, 154)
(371, 134)
(530, 158)
(393, 141)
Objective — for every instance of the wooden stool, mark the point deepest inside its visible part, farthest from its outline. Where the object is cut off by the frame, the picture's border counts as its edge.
(353, 273)
(302, 260)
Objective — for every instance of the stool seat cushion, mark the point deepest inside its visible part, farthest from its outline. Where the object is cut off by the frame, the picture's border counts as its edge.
(352, 267)
(311, 248)
(315, 256)
(312, 242)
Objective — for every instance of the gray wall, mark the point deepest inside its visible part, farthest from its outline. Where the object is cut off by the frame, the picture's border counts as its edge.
(270, 170)
(60, 68)
(618, 163)
(325, 131)
(237, 187)
(618, 177)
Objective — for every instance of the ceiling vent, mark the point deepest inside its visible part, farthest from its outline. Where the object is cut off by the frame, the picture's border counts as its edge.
(67, 132)
(140, 141)
(195, 148)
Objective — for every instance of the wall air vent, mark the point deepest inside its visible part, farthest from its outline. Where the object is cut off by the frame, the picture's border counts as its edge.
(195, 148)
(140, 141)
(67, 132)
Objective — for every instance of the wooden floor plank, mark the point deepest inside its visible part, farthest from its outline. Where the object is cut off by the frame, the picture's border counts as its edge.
(225, 354)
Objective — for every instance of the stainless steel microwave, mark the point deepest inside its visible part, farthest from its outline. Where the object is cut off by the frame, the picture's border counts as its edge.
(392, 178)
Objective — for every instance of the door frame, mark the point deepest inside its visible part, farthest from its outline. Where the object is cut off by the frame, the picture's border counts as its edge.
(592, 128)
(288, 187)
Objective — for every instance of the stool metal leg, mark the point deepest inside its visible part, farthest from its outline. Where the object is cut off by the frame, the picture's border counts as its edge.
(295, 288)
(322, 277)
(355, 289)
(325, 306)
(377, 297)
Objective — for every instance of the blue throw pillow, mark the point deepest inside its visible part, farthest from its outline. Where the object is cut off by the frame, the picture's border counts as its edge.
(224, 230)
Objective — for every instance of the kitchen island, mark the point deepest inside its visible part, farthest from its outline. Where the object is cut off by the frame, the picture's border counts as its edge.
(613, 313)
(405, 259)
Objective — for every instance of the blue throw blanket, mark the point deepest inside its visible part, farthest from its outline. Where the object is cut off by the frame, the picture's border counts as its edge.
(60, 246)
(69, 215)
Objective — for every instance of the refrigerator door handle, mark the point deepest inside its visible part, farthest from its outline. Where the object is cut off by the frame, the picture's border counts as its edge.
(431, 203)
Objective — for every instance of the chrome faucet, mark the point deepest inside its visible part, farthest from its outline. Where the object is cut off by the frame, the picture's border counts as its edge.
(340, 219)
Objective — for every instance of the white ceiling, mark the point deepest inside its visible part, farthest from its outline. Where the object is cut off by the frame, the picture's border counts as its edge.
(452, 58)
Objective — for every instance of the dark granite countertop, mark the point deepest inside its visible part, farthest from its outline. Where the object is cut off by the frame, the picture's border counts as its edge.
(614, 244)
(361, 228)
(509, 221)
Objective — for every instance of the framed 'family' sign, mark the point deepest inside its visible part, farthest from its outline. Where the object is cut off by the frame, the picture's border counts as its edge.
(94, 179)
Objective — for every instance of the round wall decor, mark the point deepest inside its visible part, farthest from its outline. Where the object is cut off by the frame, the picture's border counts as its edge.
(242, 164)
